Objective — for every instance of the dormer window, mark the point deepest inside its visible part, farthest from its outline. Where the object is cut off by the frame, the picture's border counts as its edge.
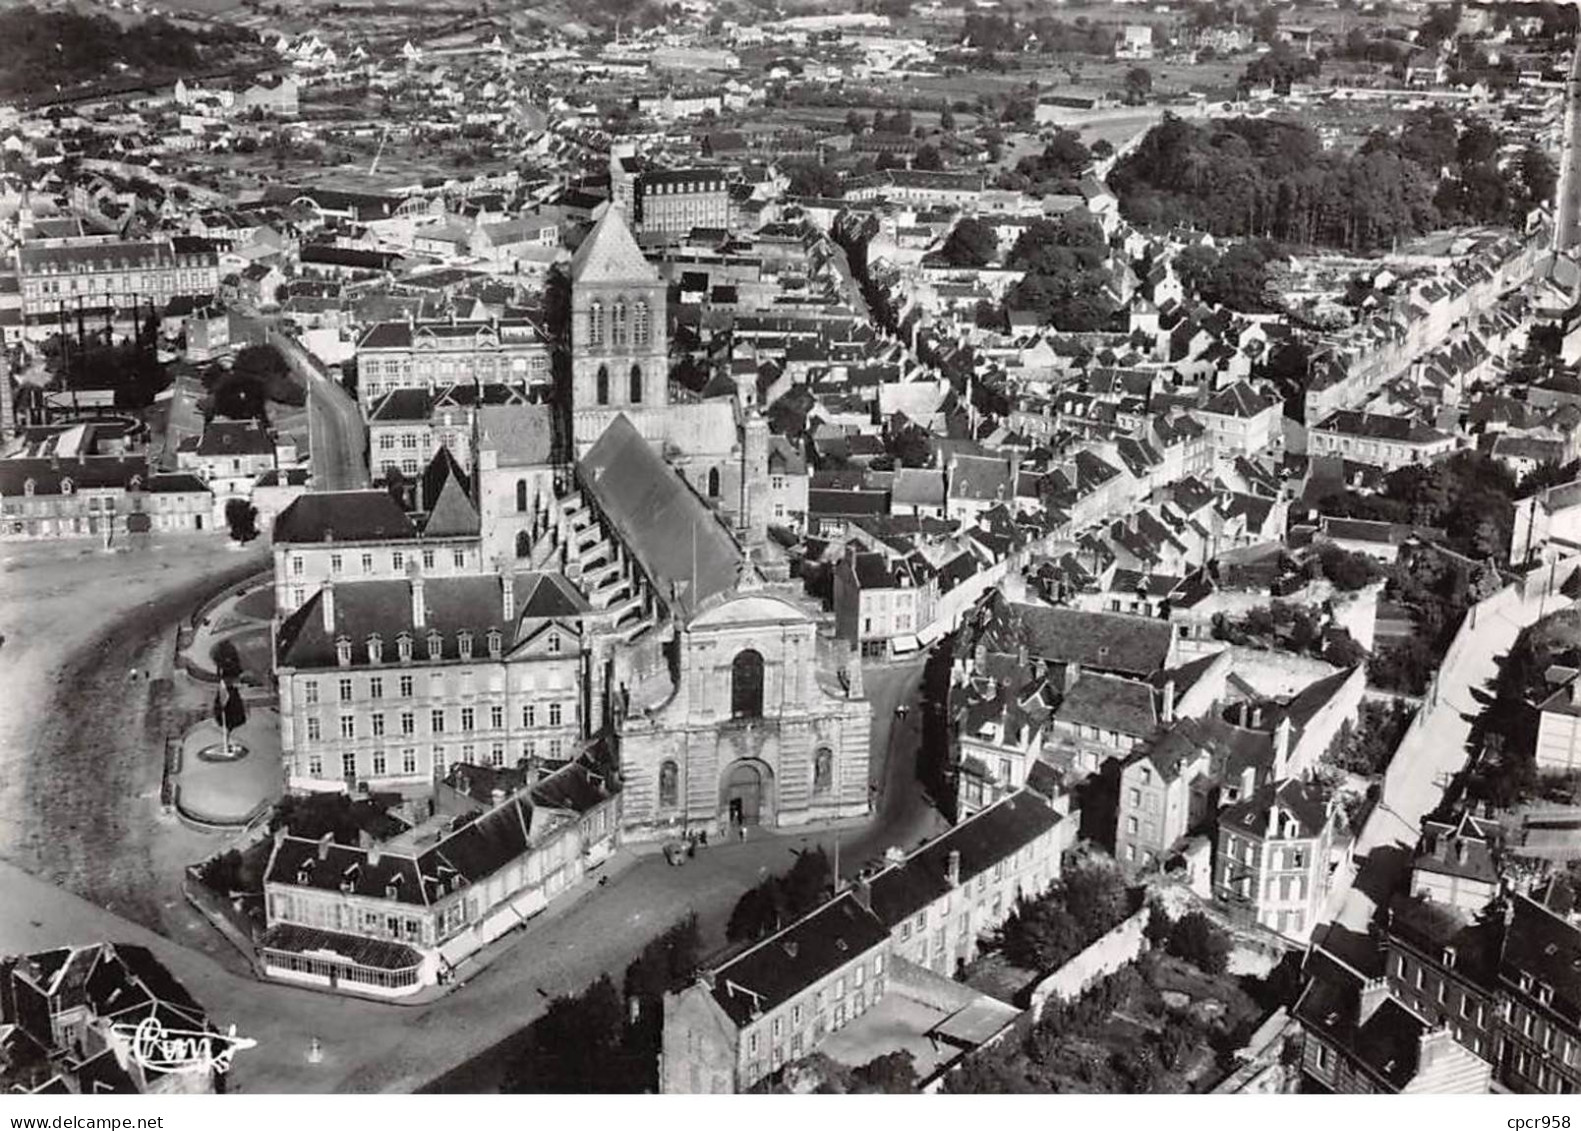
(1526, 983)
(494, 643)
(28, 487)
(554, 642)
(66, 486)
(1545, 993)
(1449, 957)
(375, 649)
(403, 647)
(436, 646)
(464, 643)
(343, 651)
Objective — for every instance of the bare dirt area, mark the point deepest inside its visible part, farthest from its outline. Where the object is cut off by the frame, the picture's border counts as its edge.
(85, 680)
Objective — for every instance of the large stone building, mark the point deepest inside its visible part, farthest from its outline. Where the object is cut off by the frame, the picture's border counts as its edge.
(620, 367)
(96, 496)
(59, 277)
(438, 355)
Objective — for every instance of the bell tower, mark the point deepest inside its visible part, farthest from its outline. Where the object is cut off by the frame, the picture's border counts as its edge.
(619, 336)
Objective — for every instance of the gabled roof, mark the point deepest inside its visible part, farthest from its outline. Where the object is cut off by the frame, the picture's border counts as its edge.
(677, 540)
(609, 254)
(784, 964)
(983, 840)
(343, 516)
(453, 515)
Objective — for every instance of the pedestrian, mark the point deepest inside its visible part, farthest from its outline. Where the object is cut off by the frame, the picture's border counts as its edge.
(703, 836)
(741, 830)
(691, 847)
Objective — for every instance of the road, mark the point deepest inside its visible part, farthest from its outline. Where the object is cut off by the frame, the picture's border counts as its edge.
(337, 436)
(97, 832)
(1431, 755)
(82, 726)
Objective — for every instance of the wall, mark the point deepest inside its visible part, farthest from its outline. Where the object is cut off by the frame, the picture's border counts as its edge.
(1118, 948)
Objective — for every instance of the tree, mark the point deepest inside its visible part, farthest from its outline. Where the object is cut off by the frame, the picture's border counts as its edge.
(242, 519)
(812, 178)
(971, 243)
(230, 713)
(855, 123)
(893, 1073)
(1138, 85)
(227, 661)
(575, 1047)
(947, 120)
(1348, 571)
(1538, 175)
(1042, 935)
(927, 157)
(1199, 941)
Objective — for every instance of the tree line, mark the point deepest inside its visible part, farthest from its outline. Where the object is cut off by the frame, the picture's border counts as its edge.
(1274, 179)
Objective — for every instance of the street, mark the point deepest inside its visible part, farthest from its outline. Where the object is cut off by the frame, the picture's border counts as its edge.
(1430, 756)
(91, 826)
(336, 433)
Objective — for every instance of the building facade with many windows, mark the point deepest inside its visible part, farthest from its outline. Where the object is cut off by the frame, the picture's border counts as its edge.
(386, 684)
(438, 355)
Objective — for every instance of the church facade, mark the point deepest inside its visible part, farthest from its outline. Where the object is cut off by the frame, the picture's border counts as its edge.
(756, 731)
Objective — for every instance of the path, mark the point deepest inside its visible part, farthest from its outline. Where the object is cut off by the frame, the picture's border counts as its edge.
(1433, 752)
(337, 437)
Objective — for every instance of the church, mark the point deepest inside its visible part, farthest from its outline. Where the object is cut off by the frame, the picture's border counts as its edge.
(727, 706)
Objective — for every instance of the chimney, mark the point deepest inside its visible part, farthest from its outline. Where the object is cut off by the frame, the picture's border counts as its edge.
(323, 845)
(1575, 691)
(1169, 702)
(1022, 660)
(1072, 674)
(496, 796)
(1248, 781)
(419, 605)
(507, 597)
(327, 602)
(862, 892)
(1282, 749)
(1374, 992)
(372, 849)
(952, 868)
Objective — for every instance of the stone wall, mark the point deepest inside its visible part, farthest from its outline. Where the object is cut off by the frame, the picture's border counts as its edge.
(1119, 948)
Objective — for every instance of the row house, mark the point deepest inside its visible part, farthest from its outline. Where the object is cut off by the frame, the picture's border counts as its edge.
(98, 496)
(776, 1002)
(1389, 442)
(385, 684)
(388, 920)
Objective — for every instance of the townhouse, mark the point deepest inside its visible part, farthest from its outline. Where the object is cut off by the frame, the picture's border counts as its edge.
(439, 355)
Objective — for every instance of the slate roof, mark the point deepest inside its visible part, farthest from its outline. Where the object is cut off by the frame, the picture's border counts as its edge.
(1306, 801)
(226, 438)
(984, 839)
(452, 605)
(785, 963)
(1110, 703)
(1109, 642)
(673, 535)
(610, 254)
(523, 434)
(342, 516)
(1386, 1044)
(1543, 946)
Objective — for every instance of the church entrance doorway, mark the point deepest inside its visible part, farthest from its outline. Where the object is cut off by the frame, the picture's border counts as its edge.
(746, 792)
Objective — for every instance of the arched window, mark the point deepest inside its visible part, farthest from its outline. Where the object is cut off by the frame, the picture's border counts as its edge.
(639, 324)
(618, 324)
(669, 784)
(521, 496)
(595, 324)
(713, 483)
(746, 686)
(523, 544)
(343, 650)
(636, 384)
(602, 391)
(822, 770)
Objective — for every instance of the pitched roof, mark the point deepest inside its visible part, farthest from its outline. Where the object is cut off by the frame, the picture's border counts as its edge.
(784, 964)
(677, 540)
(453, 514)
(983, 840)
(343, 516)
(610, 254)
(522, 434)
